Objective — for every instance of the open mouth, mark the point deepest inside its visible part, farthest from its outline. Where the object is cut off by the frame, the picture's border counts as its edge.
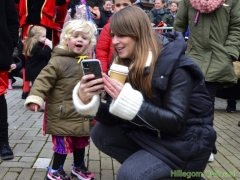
(79, 45)
(120, 49)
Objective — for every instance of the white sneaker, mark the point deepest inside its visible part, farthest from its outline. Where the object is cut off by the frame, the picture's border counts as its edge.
(211, 158)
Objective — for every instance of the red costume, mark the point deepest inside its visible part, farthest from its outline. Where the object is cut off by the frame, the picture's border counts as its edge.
(47, 13)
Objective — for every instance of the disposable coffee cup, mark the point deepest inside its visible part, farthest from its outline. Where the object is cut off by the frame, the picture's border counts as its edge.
(119, 72)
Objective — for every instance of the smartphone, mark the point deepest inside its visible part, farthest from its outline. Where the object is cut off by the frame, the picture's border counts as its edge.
(94, 14)
(92, 66)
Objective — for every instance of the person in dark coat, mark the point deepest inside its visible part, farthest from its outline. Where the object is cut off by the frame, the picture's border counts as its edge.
(105, 14)
(17, 64)
(38, 50)
(8, 40)
(159, 122)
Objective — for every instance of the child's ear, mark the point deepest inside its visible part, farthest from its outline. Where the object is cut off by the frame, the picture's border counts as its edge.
(113, 6)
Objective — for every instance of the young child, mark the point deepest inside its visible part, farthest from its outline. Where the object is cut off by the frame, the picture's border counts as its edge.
(38, 50)
(70, 131)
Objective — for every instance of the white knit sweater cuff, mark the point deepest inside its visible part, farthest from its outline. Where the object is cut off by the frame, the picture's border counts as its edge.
(128, 103)
(89, 109)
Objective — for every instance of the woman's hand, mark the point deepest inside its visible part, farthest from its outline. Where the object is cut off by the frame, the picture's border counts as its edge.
(88, 88)
(33, 107)
(111, 86)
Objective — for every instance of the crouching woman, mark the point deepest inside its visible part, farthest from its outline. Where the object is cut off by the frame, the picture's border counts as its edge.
(160, 119)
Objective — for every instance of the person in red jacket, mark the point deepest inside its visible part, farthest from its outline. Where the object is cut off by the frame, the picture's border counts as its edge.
(104, 48)
(8, 40)
(47, 13)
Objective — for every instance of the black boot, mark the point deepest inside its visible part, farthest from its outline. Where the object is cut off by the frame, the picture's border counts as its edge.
(24, 95)
(5, 151)
(231, 106)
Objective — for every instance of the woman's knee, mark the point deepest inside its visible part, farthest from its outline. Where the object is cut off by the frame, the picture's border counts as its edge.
(98, 134)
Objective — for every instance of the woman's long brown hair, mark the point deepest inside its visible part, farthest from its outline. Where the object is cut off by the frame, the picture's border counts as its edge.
(134, 22)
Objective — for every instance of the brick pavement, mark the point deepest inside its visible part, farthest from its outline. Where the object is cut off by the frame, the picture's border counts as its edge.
(33, 150)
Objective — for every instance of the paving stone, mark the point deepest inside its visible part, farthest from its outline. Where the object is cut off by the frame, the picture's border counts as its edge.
(3, 171)
(94, 155)
(48, 145)
(17, 135)
(116, 166)
(15, 169)
(38, 175)
(28, 159)
(107, 174)
(234, 160)
(97, 176)
(35, 146)
(106, 163)
(94, 166)
(223, 150)
(10, 176)
(16, 164)
(103, 154)
(47, 153)
(20, 148)
(26, 174)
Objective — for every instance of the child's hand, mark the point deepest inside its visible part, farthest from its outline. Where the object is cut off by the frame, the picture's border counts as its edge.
(13, 66)
(48, 43)
(88, 88)
(33, 107)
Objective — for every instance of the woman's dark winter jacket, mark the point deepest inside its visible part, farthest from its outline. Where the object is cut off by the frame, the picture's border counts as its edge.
(34, 64)
(176, 125)
(104, 16)
(8, 32)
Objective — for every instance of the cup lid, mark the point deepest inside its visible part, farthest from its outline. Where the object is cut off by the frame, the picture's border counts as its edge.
(119, 68)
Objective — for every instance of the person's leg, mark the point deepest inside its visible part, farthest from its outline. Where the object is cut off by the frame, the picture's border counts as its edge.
(112, 141)
(10, 84)
(78, 156)
(58, 160)
(26, 84)
(59, 157)
(5, 151)
(212, 88)
(79, 169)
(10, 81)
(142, 165)
(231, 106)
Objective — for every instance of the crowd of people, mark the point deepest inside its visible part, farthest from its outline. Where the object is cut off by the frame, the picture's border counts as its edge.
(166, 103)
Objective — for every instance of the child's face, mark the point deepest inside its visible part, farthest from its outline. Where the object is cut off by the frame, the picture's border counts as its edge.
(42, 37)
(174, 7)
(107, 6)
(120, 4)
(78, 43)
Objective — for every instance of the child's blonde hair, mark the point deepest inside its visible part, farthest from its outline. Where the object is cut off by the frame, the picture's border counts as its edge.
(34, 32)
(73, 26)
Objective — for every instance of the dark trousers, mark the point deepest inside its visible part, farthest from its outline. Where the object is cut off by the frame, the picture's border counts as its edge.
(3, 119)
(212, 88)
(136, 162)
